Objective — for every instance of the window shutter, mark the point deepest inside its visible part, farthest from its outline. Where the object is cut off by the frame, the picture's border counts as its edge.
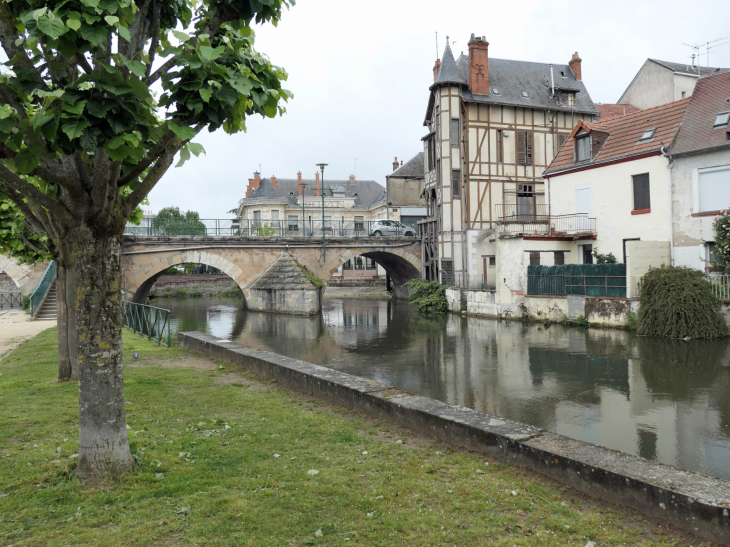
(641, 192)
(521, 152)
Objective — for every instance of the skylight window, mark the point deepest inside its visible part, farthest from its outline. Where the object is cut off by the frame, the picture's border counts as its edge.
(648, 134)
(722, 119)
(495, 91)
(524, 94)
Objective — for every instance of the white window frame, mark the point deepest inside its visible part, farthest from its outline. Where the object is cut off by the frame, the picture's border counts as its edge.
(696, 202)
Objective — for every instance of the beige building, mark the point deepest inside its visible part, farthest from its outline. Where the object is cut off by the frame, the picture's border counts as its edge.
(662, 82)
(494, 125)
(405, 191)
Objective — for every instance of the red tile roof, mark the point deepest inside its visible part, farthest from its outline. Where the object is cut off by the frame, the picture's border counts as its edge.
(618, 138)
(711, 96)
(608, 111)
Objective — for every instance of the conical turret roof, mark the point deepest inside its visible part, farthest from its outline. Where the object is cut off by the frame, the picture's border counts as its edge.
(449, 72)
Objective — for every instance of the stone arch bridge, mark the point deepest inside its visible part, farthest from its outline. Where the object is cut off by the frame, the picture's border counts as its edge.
(145, 258)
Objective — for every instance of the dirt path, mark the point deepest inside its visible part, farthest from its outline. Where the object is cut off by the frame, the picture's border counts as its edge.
(16, 327)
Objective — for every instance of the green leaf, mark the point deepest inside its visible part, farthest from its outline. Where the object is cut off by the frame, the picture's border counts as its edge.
(184, 156)
(75, 128)
(211, 54)
(205, 93)
(74, 24)
(119, 153)
(116, 142)
(96, 35)
(51, 27)
(185, 133)
(26, 161)
(181, 36)
(196, 148)
(88, 140)
(90, 3)
(111, 20)
(50, 129)
(138, 68)
(75, 108)
(124, 33)
(98, 109)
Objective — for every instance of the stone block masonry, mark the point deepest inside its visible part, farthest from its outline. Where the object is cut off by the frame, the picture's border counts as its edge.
(689, 500)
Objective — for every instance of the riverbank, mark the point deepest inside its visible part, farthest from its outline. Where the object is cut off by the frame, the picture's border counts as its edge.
(229, 459)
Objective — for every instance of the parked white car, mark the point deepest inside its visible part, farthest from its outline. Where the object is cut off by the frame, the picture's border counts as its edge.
(390, 228)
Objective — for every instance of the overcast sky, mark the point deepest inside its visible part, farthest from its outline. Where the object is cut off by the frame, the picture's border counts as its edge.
(360, 72)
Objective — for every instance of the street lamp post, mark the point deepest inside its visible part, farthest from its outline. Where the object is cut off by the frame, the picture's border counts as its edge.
(324, 243)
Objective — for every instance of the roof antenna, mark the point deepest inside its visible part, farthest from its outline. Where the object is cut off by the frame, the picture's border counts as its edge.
(355, 168)
(437, 45)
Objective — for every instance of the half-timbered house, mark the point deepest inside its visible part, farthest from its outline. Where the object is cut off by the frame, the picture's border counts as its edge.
(494, 125)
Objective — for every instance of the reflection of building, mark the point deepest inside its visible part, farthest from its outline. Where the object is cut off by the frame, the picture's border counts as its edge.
(494, 125)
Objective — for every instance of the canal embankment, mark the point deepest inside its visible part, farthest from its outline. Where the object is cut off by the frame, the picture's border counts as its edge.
(692, 501)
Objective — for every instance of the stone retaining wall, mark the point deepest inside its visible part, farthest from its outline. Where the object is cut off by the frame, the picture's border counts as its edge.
(689, 500)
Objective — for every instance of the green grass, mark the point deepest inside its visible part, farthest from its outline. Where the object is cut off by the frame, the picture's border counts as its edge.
(206, 439)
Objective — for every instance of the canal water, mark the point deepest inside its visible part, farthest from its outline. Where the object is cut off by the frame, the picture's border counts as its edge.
(663, 400)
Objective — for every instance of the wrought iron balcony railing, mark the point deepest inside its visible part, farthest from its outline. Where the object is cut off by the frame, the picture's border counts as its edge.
(523, 219)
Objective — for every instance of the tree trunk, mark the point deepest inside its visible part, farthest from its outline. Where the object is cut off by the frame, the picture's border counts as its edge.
(68, 366)
(94, 266)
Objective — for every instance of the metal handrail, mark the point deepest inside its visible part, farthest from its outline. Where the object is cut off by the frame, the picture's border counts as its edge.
(266, 227)
(149, 321)
(39, 294)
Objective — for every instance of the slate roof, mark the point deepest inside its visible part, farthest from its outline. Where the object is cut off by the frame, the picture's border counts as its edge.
(413, 168)
(368, 192)
(710, 97)
(608, 111)
(684, 67)
(449, 72)
(618, 138)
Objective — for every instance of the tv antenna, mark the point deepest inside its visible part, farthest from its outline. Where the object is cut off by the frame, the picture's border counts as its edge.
(708, 46)
(355, 168)
(437, 45)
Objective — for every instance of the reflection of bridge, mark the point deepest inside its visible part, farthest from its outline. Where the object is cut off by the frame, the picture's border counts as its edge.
(145, 258)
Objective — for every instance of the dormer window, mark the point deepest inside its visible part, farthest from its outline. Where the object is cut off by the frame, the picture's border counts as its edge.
(567, 98)
(647, 135)
(562, 74)
(722, 119)
(525, 95)
(583, 148)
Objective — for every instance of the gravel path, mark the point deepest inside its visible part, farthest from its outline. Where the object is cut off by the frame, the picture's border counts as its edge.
(16, 327)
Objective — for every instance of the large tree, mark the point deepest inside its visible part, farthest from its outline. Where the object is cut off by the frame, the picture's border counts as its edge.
(98, 98)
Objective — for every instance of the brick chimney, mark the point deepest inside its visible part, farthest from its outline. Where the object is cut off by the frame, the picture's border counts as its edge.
(299, 183)
(395, 163)
(436, 69)
(479, 65)
(253, 183)
(316, 183)
(274, 183)
(574, 65)
(352, 179)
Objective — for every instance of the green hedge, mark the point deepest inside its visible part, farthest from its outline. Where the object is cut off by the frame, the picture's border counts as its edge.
(585, 279)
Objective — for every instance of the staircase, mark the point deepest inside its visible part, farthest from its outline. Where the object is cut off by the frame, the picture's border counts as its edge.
(49, 308)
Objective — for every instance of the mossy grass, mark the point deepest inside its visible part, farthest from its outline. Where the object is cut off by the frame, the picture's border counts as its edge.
(207, 440)
(313, 278)
(677, 302)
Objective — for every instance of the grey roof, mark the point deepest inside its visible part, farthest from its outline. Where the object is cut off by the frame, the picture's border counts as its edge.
(511, 78)
(337, 189)
(449, 72)
(413, 168)
(686, 68)
(266, 190)
(368, 192)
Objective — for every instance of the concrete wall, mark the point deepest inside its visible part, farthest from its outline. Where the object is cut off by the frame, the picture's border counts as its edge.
(612, 202)
(405, 191)
(640, 256)
(692, 233)
(294, 301)
(653, 85)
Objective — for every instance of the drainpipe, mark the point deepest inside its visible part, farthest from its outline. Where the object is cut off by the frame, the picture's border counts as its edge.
(671, 210)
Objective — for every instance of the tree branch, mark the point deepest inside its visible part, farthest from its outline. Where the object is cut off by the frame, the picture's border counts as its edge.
(153, 176)
(152, 78)
(32, 193)
(155, 42)
(151, 156)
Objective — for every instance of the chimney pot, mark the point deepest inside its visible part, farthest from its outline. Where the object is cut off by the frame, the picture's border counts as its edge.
(352, 179)
(253, 183)
(273, 182)
(479, 65)
(395, 163)
(299, 183)
(316, 183)
(575, 66)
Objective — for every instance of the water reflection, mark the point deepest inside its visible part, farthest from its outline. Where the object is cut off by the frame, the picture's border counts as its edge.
(663, 400)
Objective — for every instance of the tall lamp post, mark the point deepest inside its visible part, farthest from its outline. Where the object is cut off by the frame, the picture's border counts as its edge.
(324, 244)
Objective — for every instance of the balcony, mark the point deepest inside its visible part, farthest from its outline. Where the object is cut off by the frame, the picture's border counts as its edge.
(531, 219)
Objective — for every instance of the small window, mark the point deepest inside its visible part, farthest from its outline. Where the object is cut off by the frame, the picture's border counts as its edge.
(562, 74)
(648, 134)
(558, 258)
(641, 192)
(710, 253)
(454, 132)
(524, 147)
(500, 156)
(684, 94)
(492, 260)
(524, 94)
(495, 91)
(534, 258)
(456, 183)
(583, 149)
(722, 119)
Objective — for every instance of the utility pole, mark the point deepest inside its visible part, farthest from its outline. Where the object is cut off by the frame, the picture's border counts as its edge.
(324, 241)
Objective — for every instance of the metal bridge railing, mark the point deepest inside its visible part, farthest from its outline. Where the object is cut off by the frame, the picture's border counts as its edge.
(10, 300)
(270, 228)
(39, 294)
(149, 321)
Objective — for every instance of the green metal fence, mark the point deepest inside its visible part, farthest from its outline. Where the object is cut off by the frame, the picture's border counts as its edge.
(607, 280)
(36, 298)
(149, 321)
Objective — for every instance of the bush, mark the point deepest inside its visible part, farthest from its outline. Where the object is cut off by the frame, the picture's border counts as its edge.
(722, 240)
(678, 303)
(26, 303)
(427, 296)
(181, 291)
(604, 258)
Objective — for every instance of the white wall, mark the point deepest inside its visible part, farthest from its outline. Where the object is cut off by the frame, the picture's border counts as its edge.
(612, 201)
(653, 85)
(691, 233)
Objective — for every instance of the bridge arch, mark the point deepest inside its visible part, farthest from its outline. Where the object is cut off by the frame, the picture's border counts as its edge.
(138, 283)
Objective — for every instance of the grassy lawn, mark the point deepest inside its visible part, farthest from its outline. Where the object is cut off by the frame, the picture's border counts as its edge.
(227, 459)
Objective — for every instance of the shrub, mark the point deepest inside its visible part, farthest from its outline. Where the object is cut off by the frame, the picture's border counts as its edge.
(26, 303)
(678, 302)
(722, 240)
(181, 291)
(604, 258)
(172, 270)
(427, 296)
(631, 320)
